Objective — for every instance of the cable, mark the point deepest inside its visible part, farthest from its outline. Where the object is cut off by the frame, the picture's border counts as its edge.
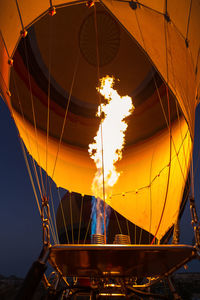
(30, 175)
(99, 97)
(61, 206)
(27, 135)
(80, 219)
(65, 117)
(33, 111)
(127, 226)
(54, 216)
(71, 217)
(120, 229)
(48, 96)
(87, 230)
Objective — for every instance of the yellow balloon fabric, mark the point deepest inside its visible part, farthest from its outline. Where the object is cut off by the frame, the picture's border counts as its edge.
(154, 167)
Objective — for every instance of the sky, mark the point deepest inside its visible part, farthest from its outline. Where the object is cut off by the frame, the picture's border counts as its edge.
(20, 224)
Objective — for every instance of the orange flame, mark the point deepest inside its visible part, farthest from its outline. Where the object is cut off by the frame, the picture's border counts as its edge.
(109, 141)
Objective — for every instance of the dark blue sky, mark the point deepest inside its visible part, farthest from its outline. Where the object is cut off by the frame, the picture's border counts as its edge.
(20, 225)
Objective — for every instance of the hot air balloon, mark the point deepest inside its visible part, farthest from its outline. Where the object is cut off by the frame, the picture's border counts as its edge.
(52, 57)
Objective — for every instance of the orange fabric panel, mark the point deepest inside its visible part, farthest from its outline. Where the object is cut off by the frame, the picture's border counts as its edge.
(4, 72)
(194, 34)
(172, 67)
(32, 9)
(156, 5)
(179, 14)
(181, 74)
(10, 24)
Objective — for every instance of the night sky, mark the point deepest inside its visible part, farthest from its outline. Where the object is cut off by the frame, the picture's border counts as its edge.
(20, 225)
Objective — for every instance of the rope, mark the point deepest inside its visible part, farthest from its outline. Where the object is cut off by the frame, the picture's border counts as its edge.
(178, 116)
(28, 167)
(167, 90)
(47, 136)
(127, 226)
(197, 163)
(51, 226)
(185, 179)
(34, 167)
(165, 116)
(188, 22)
(196, 65)
(99, 97)
(153, 79)
(182, 204)
(33, 111)
(140, 236)
(48, 97)
(22, 113)
(61, 206)
(150, 196)
(170, 135)
(5, 46)
(191, 169)
(30, 175)
(87, 230)
(54, 217)
(20, 16)
(80, 220)
(158, 93)
(177, 112)
(6, 88)
(33, 162)
(120, 229)
(156, 176)
(71, 217)
(65, 117)
(192, 178)
(141, 4)
(135, 234)
(167, 188)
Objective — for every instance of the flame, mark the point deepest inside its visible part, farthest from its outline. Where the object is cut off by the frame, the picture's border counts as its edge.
(110, 138)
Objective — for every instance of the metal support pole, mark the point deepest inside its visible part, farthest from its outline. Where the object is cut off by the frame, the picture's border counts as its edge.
(173, 290)
(176, 233)
(195, 222)
(33, 277)
(45, 216)
(38, 268)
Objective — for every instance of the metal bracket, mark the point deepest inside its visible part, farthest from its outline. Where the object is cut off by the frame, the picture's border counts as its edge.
(195, 222)
(45, 216)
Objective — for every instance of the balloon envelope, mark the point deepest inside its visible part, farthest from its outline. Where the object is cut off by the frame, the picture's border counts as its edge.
(56, 63)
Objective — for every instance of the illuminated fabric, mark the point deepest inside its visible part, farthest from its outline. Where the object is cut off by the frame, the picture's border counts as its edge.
(140, 193)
